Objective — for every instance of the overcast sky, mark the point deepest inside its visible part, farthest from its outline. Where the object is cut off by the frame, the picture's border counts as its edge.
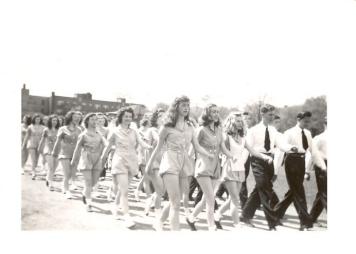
(151, 51)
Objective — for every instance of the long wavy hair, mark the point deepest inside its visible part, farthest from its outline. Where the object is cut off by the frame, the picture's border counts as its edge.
(49, 123)
(172, 113)
(205, 118)
(230, 127)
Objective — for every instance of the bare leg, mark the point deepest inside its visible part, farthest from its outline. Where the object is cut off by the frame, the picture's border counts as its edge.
(171, 182)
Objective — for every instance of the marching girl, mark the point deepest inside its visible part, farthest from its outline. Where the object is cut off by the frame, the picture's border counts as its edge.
(64, 148)
(48, 139)
(152, 174)
(88, 152)
(233, 171)
(208, 170)
(42, 157)
(26, 121)
(32, 140)
(176, 135)
(124, 162)
(102, 128)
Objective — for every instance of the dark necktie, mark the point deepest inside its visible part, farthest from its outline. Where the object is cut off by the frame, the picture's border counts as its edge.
(304, 140)
(267, 140)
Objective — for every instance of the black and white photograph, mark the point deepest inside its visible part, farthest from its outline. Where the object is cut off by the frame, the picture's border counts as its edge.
(173, 122)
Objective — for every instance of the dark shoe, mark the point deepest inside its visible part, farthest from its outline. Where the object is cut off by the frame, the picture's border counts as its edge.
(279, 223)
(89, 210)
(191, 225)
(84, 200)
(247, 222)
(47, 183)
(218, 224)
(272, 228)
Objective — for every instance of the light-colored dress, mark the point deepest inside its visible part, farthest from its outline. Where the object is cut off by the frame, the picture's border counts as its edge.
(153, 140)
(92, 147)
(69, 140)
(143, 153)
(235, 171)
(124, 160)
(175, 158)
(210, 141)
(50, 137)
(34, 136)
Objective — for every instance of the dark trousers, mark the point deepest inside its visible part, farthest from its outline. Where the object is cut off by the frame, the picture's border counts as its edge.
(295, 170)
(243, 191)
(262, 193)
(320, 201)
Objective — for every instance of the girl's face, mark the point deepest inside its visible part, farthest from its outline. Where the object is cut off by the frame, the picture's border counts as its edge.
(127, 118)
(214, 114)
(45, 120)
(183, 108)
(54, 122)
(38, 120)
(60, 121)
(100, 121)
(92, 121)
(76, 118)
(238, 122)
(160, 119)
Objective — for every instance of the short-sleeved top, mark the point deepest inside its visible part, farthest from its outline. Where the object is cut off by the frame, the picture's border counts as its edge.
(50, 137)
(125, 141)
(153, 140)
(69, 141)
(35, 134)
(210, 140)
(92, 145)
(177, 142)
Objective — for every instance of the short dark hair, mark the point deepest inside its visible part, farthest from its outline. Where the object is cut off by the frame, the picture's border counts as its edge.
(144, 122)
(205, 119)
(267, 108)
(106, 123)
(121, 113)
(27, 119)
(276, 117)
(69, 117)
(34, 118)
(86, 119)
(245, 113)
(304, 114)
(49, 123)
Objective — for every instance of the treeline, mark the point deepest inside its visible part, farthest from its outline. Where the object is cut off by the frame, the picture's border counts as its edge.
(316, 105)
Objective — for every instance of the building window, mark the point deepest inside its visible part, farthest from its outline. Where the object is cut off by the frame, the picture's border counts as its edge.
(60, 103)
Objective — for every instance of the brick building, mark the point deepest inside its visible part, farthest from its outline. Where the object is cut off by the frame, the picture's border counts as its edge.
(82, 102)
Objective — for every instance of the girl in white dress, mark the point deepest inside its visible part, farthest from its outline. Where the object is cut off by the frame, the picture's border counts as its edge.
(233, 171)
(32, 141)
(26, 122)
(48, 139)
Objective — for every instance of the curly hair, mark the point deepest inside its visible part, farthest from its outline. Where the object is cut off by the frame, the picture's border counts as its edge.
(86, 119)
(106, 123)
(27, 120)
(69, 117)
(121, 113)
(172, 113)
(33, 119)
(154, 117)
(230, 127)
(205, 118)
(49, 123)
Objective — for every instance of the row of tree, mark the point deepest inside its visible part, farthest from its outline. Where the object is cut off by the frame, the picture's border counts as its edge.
(288, 114)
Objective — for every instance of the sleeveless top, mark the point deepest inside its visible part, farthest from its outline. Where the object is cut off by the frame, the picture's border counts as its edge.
(69, 141)
(237, 151)
(35, 134)
(50, 138)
